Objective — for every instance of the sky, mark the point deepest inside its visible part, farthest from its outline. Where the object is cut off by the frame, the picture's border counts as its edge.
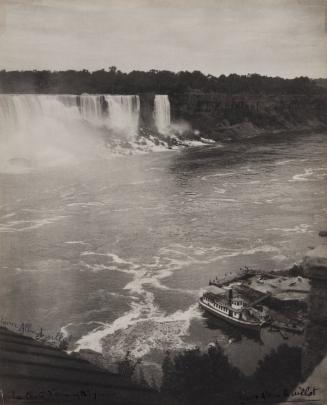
(285, 38)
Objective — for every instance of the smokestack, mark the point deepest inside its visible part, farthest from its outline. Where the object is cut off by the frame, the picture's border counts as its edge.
(230, 296)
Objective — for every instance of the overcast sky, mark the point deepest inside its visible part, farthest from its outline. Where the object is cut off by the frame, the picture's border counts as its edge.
(274, 37)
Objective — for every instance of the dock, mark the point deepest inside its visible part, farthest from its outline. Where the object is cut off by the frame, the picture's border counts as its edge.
(244, 275)
(294, 327)
(268, 289)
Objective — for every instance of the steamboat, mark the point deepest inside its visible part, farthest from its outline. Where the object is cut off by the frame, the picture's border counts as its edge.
(234, 308)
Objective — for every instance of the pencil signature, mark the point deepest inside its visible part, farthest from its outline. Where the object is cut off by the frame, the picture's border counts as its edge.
(38, 333)
(300, 394)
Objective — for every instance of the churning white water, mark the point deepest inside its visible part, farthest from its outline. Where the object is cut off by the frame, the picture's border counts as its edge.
(162, 113)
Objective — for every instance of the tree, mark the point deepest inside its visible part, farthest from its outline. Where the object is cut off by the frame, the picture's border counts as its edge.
(280, 368)
(194, 377)
(127, 366)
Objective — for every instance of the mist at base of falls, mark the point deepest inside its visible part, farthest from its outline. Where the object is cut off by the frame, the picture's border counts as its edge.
(42, 131)
(50, 130)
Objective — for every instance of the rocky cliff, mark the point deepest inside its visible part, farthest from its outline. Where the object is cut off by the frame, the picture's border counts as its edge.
(314, 359)
(218, 115)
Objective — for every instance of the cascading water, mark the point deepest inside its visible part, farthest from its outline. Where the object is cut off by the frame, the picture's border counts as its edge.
(50, 129)
(123, 113)
(162, 113)
(43, 130)
(91, 108)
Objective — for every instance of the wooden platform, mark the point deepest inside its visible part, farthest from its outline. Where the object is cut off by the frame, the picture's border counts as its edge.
(244, 275)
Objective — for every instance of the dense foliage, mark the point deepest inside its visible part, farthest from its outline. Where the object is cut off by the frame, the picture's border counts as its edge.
(193, 377)
(113, 81)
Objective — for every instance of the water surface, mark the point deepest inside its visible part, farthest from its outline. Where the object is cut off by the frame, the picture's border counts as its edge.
(122, 248)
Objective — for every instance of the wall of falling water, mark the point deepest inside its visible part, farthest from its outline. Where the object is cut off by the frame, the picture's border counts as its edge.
(162, 113)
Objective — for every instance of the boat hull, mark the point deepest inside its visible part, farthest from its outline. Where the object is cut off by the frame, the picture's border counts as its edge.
(243, 324)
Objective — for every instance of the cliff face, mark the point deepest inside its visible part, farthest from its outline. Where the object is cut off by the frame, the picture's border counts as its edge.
(215, 114)
(146, 110)
(314, 360)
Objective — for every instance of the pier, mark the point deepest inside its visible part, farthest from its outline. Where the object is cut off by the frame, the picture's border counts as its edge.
(245, 274)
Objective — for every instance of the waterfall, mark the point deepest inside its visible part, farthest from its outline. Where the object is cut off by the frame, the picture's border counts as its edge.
(46, 130)
(91, 108)
(123, 113)
(162, 113)
(52, 128)
(22, 113)
(28, 114)
(68, 100)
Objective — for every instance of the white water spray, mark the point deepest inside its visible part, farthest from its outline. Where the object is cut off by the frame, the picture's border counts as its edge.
(123, 113)
(41, 130)
(47, 130)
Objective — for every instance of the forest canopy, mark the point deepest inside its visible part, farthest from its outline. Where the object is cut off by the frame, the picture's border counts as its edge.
(113, 81)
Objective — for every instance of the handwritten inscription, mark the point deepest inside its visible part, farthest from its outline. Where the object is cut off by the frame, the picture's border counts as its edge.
(38, 333)
(298, 395)
(49, 395)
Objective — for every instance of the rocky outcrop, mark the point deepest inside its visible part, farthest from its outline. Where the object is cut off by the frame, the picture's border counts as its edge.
(146, 111)
(315, 267)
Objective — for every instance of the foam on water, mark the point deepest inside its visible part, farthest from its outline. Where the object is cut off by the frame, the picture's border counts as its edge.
(10, 215)
(302, 228)
(159, 332)
(24, 225)
(204, 178)
(145, 326)
(303, 176)
(311, 174)
(86, 204)
(142, 308)
(287, 161)
(93, 340)
(219, 190)
(226, 200)
(279, 258)
(76, 242)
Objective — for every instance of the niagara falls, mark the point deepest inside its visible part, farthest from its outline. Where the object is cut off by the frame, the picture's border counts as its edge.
(52, 129)
(163, 218)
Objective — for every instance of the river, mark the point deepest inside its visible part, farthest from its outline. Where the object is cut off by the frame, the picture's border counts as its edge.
(117, 251)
